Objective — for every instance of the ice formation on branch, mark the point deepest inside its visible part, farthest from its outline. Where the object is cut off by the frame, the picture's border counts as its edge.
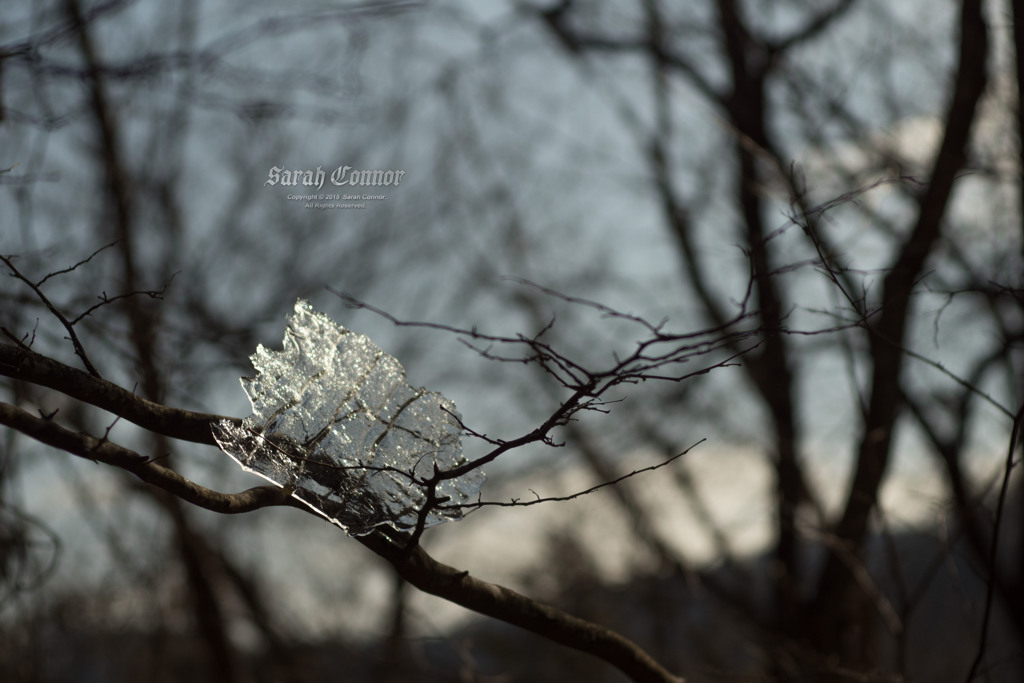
(335, 419)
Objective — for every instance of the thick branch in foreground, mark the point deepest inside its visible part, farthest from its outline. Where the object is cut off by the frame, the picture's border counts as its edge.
(431, 576)
(108, 452)
(411, 561)
(25, 364)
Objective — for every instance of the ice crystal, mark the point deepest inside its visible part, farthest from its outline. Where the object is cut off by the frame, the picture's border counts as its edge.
(335, 419)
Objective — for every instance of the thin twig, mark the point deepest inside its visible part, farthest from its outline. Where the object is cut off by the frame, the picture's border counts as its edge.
(79, 349)
(515, 502)
(69, 269)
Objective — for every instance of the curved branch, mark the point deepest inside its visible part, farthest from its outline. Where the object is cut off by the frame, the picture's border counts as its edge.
(110, 453)
(27, 365)
(515, 502)
(436, 578)
(411, 561)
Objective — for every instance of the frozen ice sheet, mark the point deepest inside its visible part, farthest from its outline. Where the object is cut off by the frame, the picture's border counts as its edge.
(334, 418)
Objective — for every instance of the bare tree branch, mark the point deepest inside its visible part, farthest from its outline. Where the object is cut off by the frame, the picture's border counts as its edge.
(79, 349)
(100, 450)
(24, 364)
(411, 561)
(873, 455)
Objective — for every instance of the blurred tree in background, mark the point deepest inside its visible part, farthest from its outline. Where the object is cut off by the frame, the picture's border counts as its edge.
(818, 201)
